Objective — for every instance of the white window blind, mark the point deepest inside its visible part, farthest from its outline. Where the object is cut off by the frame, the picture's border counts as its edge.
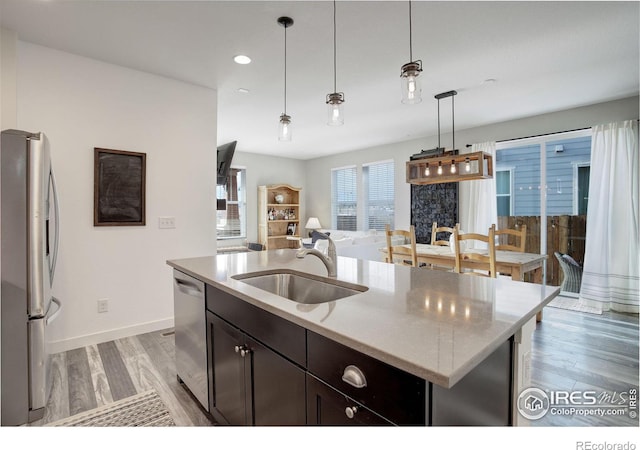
(378, 179)
(344, 198)
(232, 221)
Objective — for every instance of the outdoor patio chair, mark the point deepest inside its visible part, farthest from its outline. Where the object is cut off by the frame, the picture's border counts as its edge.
(572, 273)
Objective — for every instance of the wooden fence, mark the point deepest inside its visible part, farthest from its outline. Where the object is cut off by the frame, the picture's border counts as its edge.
(565, 234)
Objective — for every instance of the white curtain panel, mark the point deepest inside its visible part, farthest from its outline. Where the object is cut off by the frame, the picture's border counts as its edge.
(610, 279)
(480, 208)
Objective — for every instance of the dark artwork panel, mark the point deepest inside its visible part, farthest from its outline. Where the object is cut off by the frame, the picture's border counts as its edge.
(433, 203)
(119, 185)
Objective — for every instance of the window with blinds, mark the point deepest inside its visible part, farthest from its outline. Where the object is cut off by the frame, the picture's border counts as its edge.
(344, 198)
(379, 194)
(232, 221)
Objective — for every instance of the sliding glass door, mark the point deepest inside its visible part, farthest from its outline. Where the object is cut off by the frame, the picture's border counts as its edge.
(543, 183)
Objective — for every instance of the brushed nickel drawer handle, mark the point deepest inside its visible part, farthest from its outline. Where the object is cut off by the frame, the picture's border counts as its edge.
(353, 375)
(351, 411)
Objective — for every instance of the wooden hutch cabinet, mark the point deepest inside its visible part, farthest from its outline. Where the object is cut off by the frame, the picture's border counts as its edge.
(278, 216)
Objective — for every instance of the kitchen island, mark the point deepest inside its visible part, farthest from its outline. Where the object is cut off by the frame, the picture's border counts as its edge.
(450, 332)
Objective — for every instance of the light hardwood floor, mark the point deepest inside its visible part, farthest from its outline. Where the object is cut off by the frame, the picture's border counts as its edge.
(571, 351)
(574, 351)
(99, 374)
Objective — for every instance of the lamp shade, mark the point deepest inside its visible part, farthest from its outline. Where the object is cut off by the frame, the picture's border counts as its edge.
(313, 224)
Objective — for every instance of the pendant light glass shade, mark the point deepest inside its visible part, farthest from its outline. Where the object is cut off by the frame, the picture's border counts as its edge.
(335, 110)
(410, 82)
(284, 128)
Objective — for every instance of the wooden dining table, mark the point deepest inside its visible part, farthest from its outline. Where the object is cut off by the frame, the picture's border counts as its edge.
(515, 263)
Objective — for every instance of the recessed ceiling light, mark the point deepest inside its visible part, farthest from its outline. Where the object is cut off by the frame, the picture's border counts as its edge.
(243, 90)
(242, 59)
(489, 81)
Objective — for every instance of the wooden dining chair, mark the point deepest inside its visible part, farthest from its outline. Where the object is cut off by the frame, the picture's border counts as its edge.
(401, 254)
(485, 261)
(519, 236)
(435, 229)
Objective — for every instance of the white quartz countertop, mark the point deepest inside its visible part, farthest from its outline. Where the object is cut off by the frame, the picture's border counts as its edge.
(434, 324)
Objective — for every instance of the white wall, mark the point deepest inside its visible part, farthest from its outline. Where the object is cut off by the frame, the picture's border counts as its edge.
(8, 61)
(8, 111)
(265, 170)
(80, 104)
(318, 171)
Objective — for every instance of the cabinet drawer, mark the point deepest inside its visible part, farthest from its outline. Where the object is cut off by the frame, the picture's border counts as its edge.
(327, 406)
(279, 334)
(396, 395)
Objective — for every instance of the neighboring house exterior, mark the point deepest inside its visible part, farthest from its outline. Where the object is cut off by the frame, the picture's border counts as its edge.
(518, 178)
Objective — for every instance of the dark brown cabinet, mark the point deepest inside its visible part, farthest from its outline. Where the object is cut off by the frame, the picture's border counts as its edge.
(265, 370)
(278, 388)
(328, 406)
(249, 382)
(229, 378)
(391, 393)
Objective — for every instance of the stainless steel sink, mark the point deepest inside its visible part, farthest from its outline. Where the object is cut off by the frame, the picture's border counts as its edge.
(300, 287)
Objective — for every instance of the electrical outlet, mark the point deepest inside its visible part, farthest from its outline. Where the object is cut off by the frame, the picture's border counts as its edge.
(103, 305)
(166, 222)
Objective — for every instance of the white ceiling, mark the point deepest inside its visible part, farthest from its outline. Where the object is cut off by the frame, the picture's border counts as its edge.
(544, 56)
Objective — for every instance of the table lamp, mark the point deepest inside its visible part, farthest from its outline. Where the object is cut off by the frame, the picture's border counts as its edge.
(313, 224)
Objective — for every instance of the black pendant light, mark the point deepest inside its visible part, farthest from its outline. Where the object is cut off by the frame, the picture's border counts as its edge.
(284, 133)
(335, 99)
(410, 82)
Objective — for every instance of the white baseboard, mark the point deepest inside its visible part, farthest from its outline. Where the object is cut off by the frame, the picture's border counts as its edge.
(109, 335)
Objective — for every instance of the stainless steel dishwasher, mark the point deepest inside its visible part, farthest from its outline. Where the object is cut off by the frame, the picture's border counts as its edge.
(191, 335)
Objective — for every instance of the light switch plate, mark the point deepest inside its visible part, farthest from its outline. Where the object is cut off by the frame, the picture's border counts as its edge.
(103, 305)
(166, 222)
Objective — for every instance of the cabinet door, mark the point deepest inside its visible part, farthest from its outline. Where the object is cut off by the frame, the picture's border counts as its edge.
(278, 388)
(229, 379)
(328, 406)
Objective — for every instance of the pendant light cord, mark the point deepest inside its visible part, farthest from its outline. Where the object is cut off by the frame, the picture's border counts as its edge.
(410, 33)
(285, 70)
(335, 89)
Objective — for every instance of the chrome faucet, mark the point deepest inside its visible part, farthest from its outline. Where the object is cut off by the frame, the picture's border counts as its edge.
(329, 260)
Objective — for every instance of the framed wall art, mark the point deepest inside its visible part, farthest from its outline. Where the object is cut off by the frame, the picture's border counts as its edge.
(119, 188)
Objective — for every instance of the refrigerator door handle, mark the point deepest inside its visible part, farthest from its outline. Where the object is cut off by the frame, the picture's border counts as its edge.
(56, 237)
(52, 317)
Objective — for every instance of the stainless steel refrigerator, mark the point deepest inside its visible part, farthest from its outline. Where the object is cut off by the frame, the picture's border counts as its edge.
(29, 229)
